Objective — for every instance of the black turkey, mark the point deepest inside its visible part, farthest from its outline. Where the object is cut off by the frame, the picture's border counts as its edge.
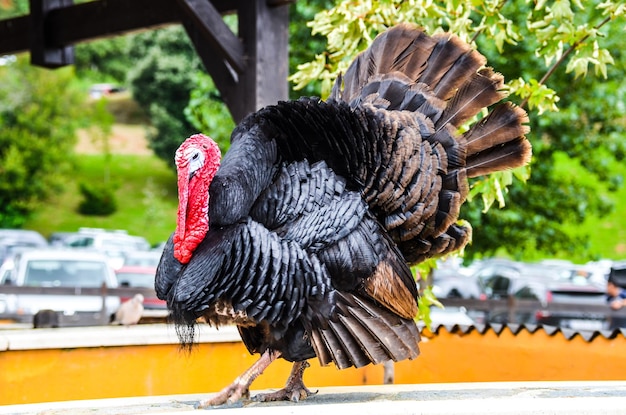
(304, 233)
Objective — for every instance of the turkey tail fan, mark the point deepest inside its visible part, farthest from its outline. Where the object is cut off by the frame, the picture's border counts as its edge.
(442, 62)
(400, 49)
(450, 64)
(393, 133)
(361, 332)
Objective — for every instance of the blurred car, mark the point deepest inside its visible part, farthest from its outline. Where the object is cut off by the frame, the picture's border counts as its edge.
(449, 316)
(97, 91)
(115, 244)
(547, 284)
(15, 240)
(142, 258)
(450, 279)
(447, 284)
(57, 268)
(143, 277)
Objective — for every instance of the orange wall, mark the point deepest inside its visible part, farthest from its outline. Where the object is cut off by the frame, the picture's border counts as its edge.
(104, 372)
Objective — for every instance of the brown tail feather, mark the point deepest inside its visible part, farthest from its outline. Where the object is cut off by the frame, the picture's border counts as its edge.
(363, 333)
(512, 154)
(504, 123)
(448, 54)
(397, 50)
(480, 91)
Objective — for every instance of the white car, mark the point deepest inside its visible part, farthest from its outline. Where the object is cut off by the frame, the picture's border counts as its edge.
(115, 244)
(57, 268)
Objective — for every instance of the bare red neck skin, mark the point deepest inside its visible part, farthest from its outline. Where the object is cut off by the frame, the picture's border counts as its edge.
(193, 193)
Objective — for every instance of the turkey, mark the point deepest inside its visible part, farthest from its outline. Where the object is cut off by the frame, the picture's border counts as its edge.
(304, 234)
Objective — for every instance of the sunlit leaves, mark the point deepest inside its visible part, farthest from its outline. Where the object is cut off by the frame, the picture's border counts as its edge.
(426, 300)
(612, 8)
(592, 55)
(492, 188)
(539, 96)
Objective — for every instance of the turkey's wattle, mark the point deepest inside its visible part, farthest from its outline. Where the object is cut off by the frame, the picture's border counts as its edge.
(197, 161)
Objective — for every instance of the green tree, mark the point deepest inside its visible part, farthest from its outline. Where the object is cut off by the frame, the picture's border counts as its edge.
(303, 45)
(40, 111)
(104, 59)
(533, 44)
(161, 81)
(13, 8)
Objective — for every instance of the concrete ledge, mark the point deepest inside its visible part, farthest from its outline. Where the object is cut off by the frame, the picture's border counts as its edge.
(572, 398)
(107, 336)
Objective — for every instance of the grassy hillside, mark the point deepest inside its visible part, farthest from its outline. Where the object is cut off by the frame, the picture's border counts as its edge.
(145, 192)
(145, 185)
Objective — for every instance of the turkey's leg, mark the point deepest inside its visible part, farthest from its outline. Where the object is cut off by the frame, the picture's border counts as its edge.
(240, 386)
(294, 389)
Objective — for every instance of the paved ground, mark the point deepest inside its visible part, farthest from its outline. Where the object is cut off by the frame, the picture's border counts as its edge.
(572, 398)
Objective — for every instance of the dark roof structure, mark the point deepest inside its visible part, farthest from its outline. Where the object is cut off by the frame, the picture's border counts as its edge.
(249, 68)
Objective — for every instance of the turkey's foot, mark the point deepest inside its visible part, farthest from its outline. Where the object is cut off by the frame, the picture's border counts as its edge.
(294, 390)
(240, 388)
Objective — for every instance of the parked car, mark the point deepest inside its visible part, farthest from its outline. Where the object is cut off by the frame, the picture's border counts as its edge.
(14, 240)
(454, 284)
(106, 239)
(57, 268)
(548, 284)
(114, 243)
(142, 258)
(449, 316)
(140, 276)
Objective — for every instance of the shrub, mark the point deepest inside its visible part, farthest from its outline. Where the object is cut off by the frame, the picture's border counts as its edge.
(98, 199)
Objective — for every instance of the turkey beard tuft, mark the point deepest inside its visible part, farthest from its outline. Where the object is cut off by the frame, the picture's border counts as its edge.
(185, 325)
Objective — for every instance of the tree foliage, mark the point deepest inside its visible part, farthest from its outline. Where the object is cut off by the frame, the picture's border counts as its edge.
(40, 111)
(548, 51)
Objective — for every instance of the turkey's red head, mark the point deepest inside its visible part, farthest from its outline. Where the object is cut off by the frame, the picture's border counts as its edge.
(197, 161)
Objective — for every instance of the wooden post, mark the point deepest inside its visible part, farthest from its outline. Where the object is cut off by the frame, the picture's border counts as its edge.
(104, 317)
(41, 52)
(265, 32)
(512, 307)
(249, 69)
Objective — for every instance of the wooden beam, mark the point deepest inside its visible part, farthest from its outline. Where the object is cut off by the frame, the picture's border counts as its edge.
(263, 79)
(101, 19)
(42, 51)
(97, 19)
(224, 75)
(250, 69)
(207, 19)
